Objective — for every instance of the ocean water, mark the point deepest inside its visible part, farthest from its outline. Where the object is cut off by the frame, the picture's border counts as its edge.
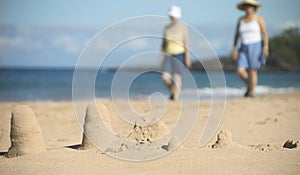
(56, 85)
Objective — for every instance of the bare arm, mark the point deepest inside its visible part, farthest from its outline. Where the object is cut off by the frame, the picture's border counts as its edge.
(237, 34)
(264, 31)
(164, 43)
(163, 48)
(187, 60)
(236, 37)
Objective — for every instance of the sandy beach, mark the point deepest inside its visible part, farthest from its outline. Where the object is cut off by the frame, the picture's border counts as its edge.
(259, 128)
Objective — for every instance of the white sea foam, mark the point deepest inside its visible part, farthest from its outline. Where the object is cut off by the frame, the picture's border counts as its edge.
(232, 92)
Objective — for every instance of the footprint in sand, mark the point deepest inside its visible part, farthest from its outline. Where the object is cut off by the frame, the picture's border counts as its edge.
(267, 121)
(265, 147)
(291, 144)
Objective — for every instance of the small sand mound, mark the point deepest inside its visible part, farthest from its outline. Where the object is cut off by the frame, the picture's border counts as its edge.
(26, 136)
(91, 124)
(291, 144)
(149, 132)
(224, 138)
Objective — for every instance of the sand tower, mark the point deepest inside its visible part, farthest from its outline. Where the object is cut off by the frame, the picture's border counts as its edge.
(91, 123)
(25, 134)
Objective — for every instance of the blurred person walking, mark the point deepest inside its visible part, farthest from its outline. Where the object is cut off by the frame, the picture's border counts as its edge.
(175, 47)
(254, 47)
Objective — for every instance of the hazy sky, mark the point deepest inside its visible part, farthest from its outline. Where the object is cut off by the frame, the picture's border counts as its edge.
(54, 32)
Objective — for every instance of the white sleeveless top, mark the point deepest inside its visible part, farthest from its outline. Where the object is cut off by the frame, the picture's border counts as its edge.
(250, 32)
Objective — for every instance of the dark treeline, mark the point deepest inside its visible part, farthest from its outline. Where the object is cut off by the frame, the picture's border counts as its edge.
(284, 54)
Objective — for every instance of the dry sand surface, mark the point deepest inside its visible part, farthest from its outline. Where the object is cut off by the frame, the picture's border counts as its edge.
(253, 132)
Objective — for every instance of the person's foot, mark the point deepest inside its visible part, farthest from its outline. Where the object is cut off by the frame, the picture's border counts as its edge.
(251, 94)
(247, 93)
(171, 97)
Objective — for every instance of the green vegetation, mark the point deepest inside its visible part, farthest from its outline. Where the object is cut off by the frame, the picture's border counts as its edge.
(285, 51)
(284, 54)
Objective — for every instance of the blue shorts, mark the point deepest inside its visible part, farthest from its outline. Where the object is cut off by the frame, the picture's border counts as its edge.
(251, 56)
(173, 63)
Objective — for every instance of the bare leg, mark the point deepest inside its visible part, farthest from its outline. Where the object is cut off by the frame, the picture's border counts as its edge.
(166, 77)
(253, 82)
(176, 88)
(243, 75)
(242, 72)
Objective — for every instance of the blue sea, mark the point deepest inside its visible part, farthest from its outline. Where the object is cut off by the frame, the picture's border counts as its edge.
(56, 85)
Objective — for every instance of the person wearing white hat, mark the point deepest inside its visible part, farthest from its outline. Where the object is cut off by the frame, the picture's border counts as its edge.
(175, 47)
(253, 51)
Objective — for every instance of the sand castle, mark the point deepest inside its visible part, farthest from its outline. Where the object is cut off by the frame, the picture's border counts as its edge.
(91, 124)
(26, 136)
(138, 134)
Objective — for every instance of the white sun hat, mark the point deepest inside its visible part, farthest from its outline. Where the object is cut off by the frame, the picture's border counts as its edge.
(175, 12)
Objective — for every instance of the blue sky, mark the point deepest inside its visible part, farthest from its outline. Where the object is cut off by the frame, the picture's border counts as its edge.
(52, 33)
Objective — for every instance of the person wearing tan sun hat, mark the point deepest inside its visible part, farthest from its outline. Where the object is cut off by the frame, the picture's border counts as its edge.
(254, 48)
(240, 5)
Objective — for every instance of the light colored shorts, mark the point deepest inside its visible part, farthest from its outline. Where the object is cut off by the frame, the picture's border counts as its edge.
(173, 64)
(251, 56)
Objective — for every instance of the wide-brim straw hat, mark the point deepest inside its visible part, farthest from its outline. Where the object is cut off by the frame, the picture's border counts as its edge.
(175, 12)
(248, 2)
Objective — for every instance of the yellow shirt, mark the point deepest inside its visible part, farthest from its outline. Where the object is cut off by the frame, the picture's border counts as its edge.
(174, 41)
